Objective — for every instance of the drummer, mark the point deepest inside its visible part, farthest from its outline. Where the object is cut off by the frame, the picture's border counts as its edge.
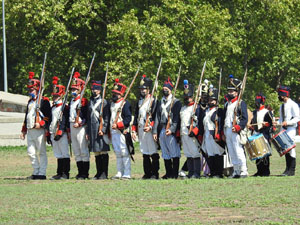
(261, 123)
(289, 117)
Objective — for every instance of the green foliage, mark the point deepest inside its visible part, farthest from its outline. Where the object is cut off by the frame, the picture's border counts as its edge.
(263, 35)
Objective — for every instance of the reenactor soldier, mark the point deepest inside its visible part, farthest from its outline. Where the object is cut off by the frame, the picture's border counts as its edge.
(289, 117)
(58, 131)
(233, 126)
(98, 139)
(35, 126)
(212, 144)
(167, 137)
(148, 146)
(189, 142)
(263, 118)
(78, 128)
(121, 138)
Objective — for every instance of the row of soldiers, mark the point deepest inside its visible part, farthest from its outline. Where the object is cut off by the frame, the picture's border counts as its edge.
(172, 125)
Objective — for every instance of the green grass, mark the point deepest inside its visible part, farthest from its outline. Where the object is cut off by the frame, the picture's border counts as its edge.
(269, 200)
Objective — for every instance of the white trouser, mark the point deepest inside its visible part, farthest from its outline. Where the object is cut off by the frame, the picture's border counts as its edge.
(291, 131)
(236, 152)
(36, 146)
(169, 146)
(60, 147)
(190, 146)
(122, 154)
(79, 143)
(147, 144)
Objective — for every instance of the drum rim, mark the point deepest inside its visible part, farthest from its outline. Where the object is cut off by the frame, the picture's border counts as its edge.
(286, 151)
(276, 135)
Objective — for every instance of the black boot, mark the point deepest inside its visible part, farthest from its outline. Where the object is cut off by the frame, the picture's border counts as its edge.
(259, 167)
(80, 170)
(168, 166)
(185, 166)
(155, 166)
(219, 166)
(197, 167)
(66, 168)
(288, 164)
(147, 166)
(175, 168)
(59, 170)
(265, 167)
(105, 161)
(98, 160)
(292, 167)
(190, 166)
(210, 162)
(86, 168)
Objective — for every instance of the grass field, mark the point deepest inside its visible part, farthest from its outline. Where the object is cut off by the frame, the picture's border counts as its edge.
(270, 200)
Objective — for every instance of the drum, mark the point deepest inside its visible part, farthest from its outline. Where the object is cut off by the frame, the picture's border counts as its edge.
(257, 147)
(282, 142)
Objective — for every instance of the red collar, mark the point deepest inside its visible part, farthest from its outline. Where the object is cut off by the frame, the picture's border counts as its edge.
(191, 103)
(233, 100)
(75, 99)
(119, 100)
(212, 108)
(261, 108)
(59, 104)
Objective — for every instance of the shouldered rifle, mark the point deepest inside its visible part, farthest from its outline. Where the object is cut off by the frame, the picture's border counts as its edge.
(172, 101)
(61, 112)
(124, 99)
(148, 116)
(219, 91)
(239, 98)
(82, 92)
(198, 95)
(102, 101)
(41, 90)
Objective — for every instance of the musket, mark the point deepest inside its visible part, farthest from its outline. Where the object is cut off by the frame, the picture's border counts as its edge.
(82, 92)
(102, 101)
(219, 91)
(172, 101)
(61, 111)
(124, 99)
(149, 107)
(41, 90)
(198, 95)
(239, 98)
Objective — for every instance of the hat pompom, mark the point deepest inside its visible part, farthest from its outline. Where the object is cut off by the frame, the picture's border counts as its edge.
(117, 80)
(76, 75)
(231, 76)
(185, 82)
(31, 75)
(144, 75)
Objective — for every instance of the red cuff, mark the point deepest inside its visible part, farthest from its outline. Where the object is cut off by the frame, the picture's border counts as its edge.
(195, 131)
(266, 124)
(152, 124)
(120, 125)
(59, 132)
(133, 128)
(47, 134)
(237, 128)
(200, 138)
(42, 123)
(177, 134)
(218, 137)
(24, 129)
